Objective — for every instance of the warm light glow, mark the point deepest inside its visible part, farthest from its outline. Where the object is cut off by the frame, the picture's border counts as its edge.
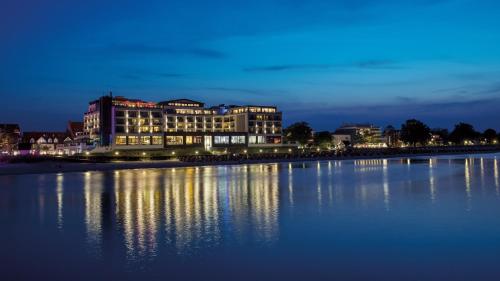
(260, 150)
(144, 154)
(117, 153)
(173, 152)
(196, 152)
(275, 150)
(87, 153)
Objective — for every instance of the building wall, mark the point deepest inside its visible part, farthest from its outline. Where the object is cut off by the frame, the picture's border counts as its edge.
(138, 124)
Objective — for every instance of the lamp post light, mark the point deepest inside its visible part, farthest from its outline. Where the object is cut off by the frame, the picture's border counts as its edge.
(117, 153)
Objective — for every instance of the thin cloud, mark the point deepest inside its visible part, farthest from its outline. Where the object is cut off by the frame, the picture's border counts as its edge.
(363, 64)
(142, 49)
(244, 90)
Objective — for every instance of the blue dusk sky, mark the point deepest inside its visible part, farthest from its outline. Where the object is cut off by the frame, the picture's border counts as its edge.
(322, 61)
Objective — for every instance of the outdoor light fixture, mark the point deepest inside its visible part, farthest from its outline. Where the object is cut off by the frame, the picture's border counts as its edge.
(245, 151)
(144, 153)
(260, 150)
(275, 150)
(173, 152)
(87, 153)
(289, 150)
(117, 153)
(196, 152)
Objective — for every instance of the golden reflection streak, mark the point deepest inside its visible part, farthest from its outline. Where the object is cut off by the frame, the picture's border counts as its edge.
(468, 182)
(481, 167)
(495, 173)
(59, 192)
(330, 184)
(318, 185)
(93, 210)
(290, 184)
(432, 184)
(387, 195)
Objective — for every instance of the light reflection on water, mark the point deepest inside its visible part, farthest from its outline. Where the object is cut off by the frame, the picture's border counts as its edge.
(184, 212)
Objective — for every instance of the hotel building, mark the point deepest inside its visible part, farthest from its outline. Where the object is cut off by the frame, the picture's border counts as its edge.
(120, 123)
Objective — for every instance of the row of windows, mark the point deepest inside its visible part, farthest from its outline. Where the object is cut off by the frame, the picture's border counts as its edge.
(142, 114)
(264, 140)
(136, 140)
(139, 121)
(254, 130)
(269, 117)
(198, 119)
(138, 129)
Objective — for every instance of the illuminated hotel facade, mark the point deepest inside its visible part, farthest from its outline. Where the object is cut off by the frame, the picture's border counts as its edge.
(122, 123)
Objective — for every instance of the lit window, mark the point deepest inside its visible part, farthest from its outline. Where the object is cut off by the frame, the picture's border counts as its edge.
(238, 139)
(189, 140)
(221, 139)
(174, 140)
(157, 140)
(133, 140)
(145, 140)
(121, 140)
(252, 139)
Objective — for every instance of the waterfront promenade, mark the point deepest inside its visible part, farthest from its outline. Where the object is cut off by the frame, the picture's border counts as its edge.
(82, 164)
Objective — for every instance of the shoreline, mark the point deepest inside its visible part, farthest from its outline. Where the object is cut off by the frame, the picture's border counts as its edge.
(50, 167)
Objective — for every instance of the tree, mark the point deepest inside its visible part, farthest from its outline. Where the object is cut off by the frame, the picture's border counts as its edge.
(323, 139)
(490, 136)
(415, 132)
(463, 132)
(440, 135)
(299, 132)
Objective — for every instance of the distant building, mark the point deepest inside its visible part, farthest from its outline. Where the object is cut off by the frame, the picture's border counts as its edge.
(362, 135)
(392, 137)
(46, 142)
(341, 141)
(121, 123)
(10, 135)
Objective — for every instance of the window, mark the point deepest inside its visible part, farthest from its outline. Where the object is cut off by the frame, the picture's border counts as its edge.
(119, 129)
(120, 113)
(157, 140)
(132, 114)
(198, 139)
(189, 140)
(238, 139)
(252, 139)
(273, 140)
(145, 140)
(174, 140)
(121, 140)
(156, 129)
(144, 114)
(133, 140)
(261, 139)
(156, 115)
(221, 139)
(120, 121)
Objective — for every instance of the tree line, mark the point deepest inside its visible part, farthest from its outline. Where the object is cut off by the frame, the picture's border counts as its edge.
(413, 133)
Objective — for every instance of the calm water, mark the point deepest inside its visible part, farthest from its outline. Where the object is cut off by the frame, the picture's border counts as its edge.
(398, 219)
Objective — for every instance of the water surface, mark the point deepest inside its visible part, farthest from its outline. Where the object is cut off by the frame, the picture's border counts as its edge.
(386, 219)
